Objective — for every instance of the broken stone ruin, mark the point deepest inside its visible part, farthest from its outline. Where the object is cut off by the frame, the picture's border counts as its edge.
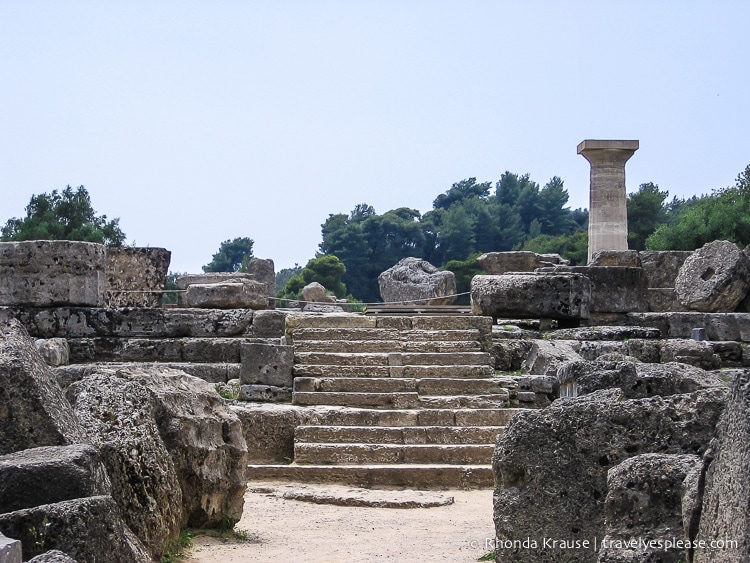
(605, 404)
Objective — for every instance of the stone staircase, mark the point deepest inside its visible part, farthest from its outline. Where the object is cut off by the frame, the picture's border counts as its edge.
(403, 401)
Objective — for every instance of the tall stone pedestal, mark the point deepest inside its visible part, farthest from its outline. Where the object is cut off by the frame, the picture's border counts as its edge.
(608, 214)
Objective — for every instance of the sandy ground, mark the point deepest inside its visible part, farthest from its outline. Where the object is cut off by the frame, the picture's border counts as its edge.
(291, 530)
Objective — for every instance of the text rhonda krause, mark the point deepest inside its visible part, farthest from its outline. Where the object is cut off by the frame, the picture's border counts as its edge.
(610, 543)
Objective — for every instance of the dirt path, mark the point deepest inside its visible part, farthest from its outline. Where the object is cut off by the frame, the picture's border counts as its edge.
(291, 530)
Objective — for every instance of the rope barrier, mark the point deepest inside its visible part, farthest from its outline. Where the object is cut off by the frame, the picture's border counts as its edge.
(162, 291)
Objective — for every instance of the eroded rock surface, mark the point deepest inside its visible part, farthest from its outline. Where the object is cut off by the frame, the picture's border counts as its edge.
(644, 501)
(33, 408)
(119, 415)
(726, 496)
(551, 465)
(715, 278)
(417, 282)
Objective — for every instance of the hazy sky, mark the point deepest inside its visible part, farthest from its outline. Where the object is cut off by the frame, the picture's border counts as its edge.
(197, 122)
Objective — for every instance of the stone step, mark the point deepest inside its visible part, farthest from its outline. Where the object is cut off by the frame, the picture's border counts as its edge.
(393, 359)
(427, 386)
(417, 372)
(190, 350)
(399, 322)
(357, 454)
(414, 476)
(403, 400)
(398, 434)
(351, 334)
(348, 416)
(369, 346)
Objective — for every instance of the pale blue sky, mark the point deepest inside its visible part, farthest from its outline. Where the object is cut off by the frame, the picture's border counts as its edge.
(196, 122)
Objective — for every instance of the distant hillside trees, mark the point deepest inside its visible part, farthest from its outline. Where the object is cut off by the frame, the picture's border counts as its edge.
(722, 215)
(468, 219)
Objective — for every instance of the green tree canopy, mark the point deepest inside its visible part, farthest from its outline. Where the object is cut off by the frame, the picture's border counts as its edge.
(646, 212)
(232, 256)
(327, 270)
(722, 215)
(66, 215)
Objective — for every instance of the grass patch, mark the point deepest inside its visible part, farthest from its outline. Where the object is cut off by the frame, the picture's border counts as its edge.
(489, 556)
(228, 534)
(175, 550)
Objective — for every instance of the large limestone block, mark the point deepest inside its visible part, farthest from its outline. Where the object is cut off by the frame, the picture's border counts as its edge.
(267, 364)
(121, 420)
(644, 500)
(551, 296)
(263, 271)
(726, 496)
(48, 273)
(497, 263)
(210, 278)
(551, 464)
(204, 439)
(315, 293)
(33, 408)
(621, 258)
(87, 529)
(545, 357)
(10, 550)
(228, 295)
(417, 282)
(636, 380)
(54, 351)
(50, 474)
(614, 289)
(662, 266)
(135, 276)
(715, 279)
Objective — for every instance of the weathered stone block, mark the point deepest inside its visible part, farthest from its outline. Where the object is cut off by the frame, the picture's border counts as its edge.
(54, 351)
(727, 481)
(551, 464)
(88, 529)
(715, 278)
(546, 357)
(267, 364)
(10, 550)
(663, 299)
(265, 394)
(135, 276)
(229, 295)
(635, 380)
(552, 296)
(33, 409)
(121, 420)
(262, 270)
(644, 500)
(614, 289)
(690, 352)
(269, 324)
(662, 266)
(619, 258)
(204, 440)
(417, 282)
(50, 474)
(48, 273)
(497, 263)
